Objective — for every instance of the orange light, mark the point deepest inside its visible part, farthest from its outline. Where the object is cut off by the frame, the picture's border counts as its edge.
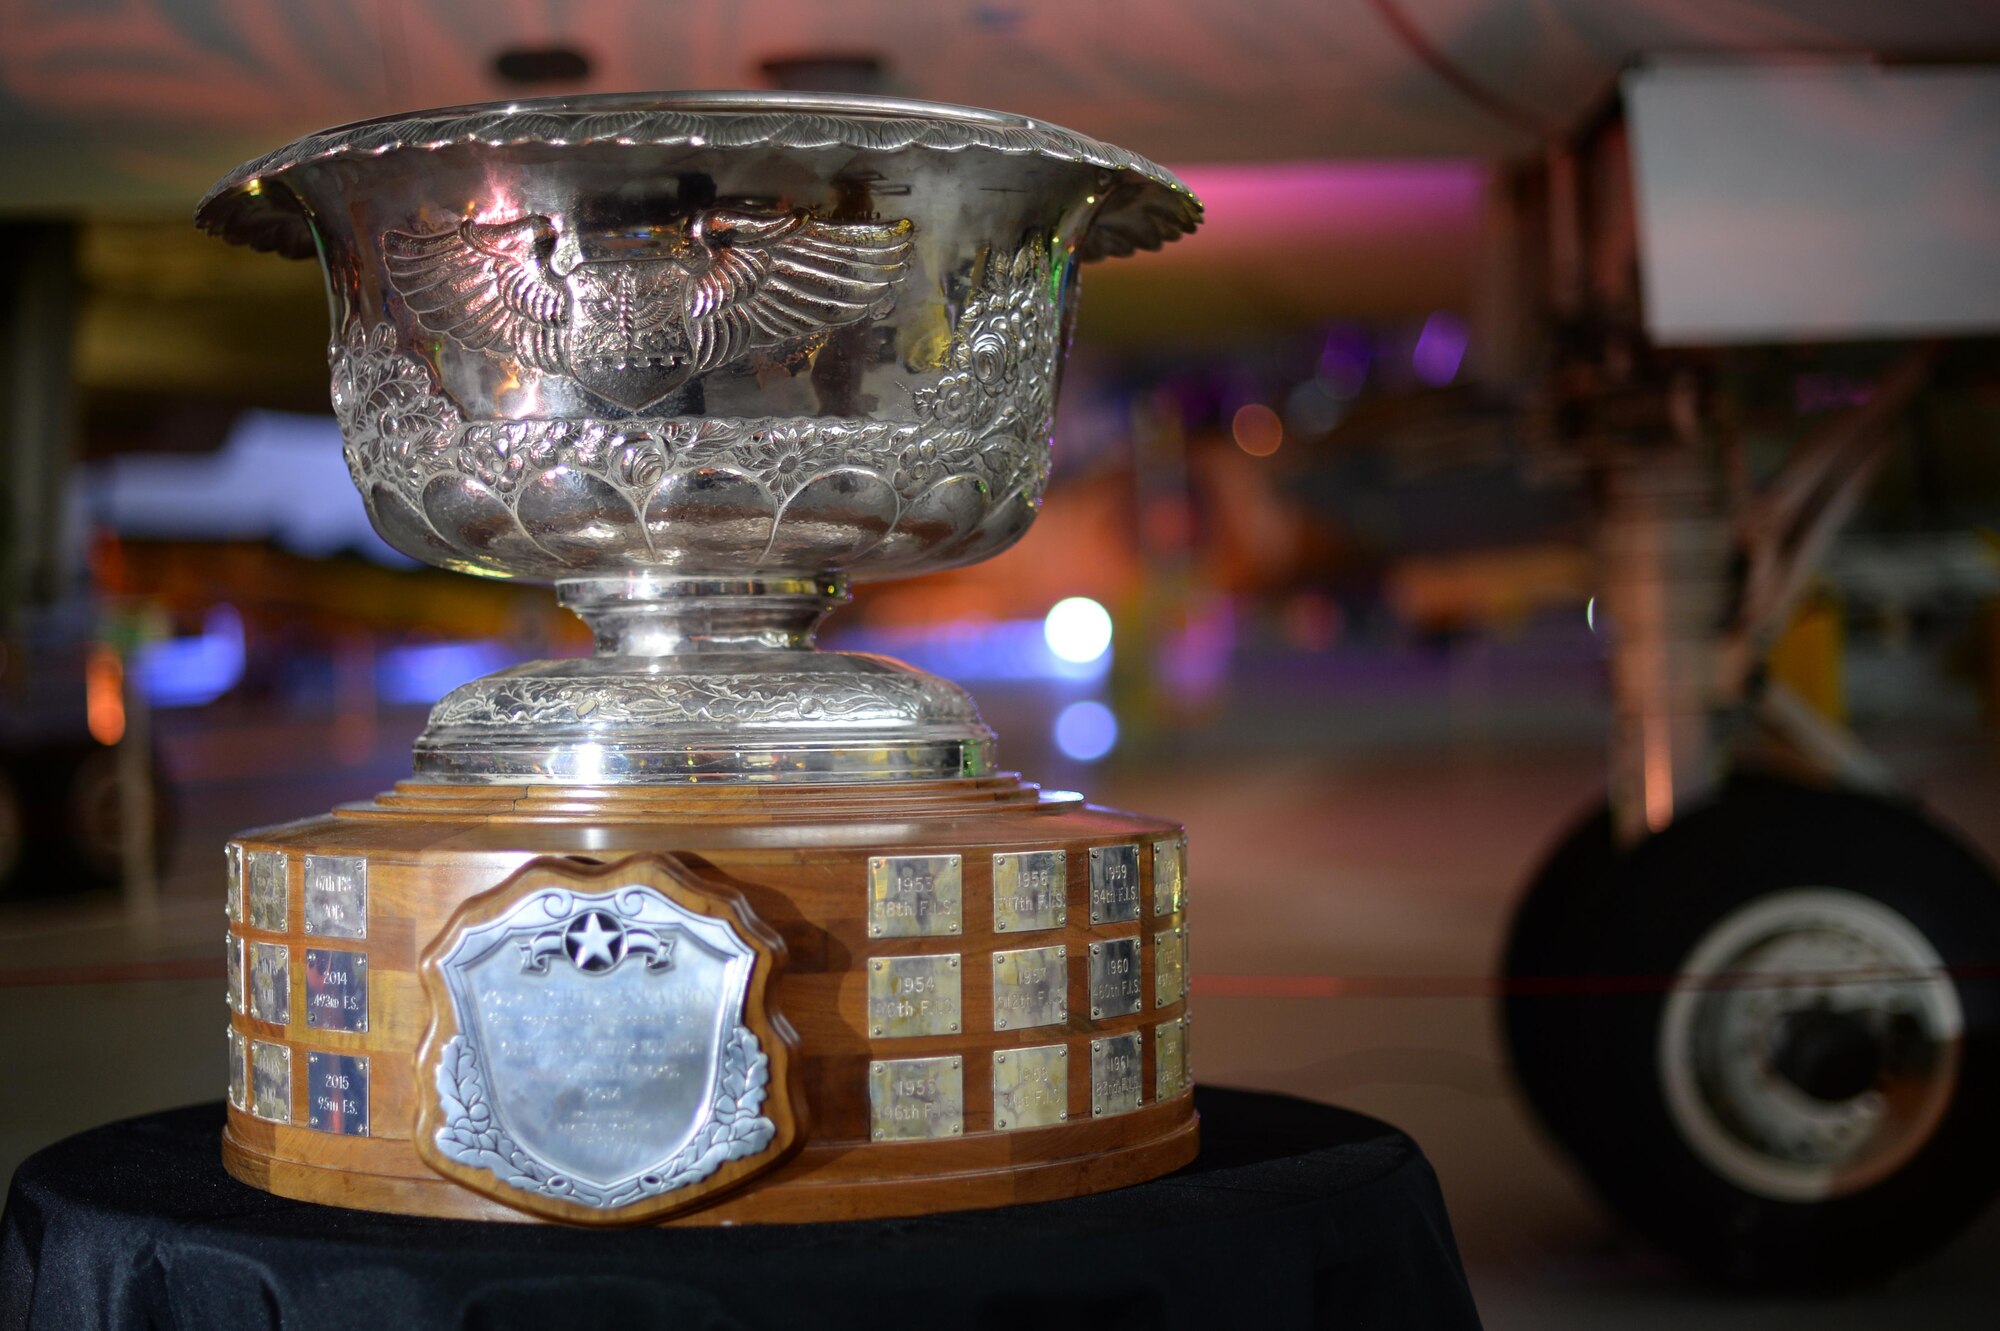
(1257, 430)
(104, 695)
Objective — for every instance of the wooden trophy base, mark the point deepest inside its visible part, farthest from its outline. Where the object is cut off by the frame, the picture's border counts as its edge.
(969, 993)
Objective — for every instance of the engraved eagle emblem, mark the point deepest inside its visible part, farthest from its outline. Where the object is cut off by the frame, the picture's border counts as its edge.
(664, 307)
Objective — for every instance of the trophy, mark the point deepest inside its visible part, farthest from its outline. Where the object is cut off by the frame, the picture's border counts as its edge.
(711, 926)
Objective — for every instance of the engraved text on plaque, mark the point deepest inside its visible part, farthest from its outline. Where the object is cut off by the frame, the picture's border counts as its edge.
(1030, 1087)
(337, 1093)
(1030, 890)
(271, 1081)
(1114, 977)
(337, 896)
(1030, 987)
(914, 996)
(1169, 967)
(1114, 884)
(271, 982)
(336, 989)
(1114, 1074)
(268, 881)
(915, 896)
(913, 1098)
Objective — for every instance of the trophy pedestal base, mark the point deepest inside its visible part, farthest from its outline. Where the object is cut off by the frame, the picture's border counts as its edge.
(979, 990)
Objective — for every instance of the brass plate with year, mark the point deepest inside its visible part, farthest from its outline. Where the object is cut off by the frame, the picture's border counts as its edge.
(1030, 987)
(913, 1099)
(1169, 876)
(1114, 884)
(1169, 967)
(337, 896)
(915, 896)
(1030, 1087)
(268, 882)
(1169, 1064)
(1115, 1061)
(1030, 890)
(337, 1093)
(271, 983)
(336, 989)
(910, 996)
(271, 1081)
(1114, 978)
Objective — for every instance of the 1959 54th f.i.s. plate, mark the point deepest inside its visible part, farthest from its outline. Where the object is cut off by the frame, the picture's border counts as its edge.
(712, 926)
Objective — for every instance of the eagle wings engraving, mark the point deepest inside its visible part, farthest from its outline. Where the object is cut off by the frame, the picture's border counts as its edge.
(633, 329)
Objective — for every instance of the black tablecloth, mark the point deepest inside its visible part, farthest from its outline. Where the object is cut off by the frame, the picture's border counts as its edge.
(1296, 1214)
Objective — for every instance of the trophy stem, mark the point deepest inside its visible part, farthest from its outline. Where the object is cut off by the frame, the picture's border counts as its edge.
(642, 615)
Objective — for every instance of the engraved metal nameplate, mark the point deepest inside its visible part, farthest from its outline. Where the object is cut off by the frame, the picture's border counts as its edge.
(1030, 987)
(271, 1081)
(1030, 890)
(1030, 1087)
(1114, 978)
(1169, 876)
(337, 1093)
(232, 878)
(1169, 967)
(1114, 884)
(1169, 1067)
(915, 896)
(602, 1057)
(271, 982)
(239, 1073)
(1115, 1063)
(337, 896)
(336, 990)
(916, 1098)
(914, 996)
(1187, 1049)
(267, 879)
(232, 970)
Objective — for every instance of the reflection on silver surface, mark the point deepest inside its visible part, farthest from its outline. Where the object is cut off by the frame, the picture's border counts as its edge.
(1115, 981)
(1030, 1087)
(269, 884)
(1115, 1063)
(232, 877)
(601, 1057)
(1169, 876)
(915, 896)
(1030, 987)
(1169, 1065)
(914, 996)
(337, 1093)
(1114, 884)
(699, 359)
(336, 990)
(1169, 967)
(916, 1098)
(271, 982)
(232, 969)
(1030, 890)
(336, 896)
(239, 1074)
(271, 1081)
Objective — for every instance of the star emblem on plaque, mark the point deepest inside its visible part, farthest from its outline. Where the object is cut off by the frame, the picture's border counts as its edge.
(600, 1047)
(646, 311)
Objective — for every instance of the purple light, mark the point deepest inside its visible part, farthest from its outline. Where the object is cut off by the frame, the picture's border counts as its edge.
(1086, 731)
(1440, 349)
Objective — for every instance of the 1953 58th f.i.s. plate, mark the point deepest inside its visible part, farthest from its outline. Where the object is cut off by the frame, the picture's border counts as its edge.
(712, 926)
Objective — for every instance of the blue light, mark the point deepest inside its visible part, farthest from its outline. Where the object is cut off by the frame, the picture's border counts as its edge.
(1005, 649)
(1086, 731)
(425, 672)
(187, 672)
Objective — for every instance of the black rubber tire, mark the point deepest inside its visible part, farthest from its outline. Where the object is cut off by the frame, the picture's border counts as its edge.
(1762, 836)
(1540, 955)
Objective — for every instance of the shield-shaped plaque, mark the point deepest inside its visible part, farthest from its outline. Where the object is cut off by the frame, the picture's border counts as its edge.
(600, 1049)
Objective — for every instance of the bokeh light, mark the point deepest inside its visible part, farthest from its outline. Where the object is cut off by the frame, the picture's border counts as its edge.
(1077, 629)
(1257, 429)
(1086, 731)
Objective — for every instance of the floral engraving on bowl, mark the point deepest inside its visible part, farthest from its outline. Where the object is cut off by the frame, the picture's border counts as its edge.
(788, 699)
(557, 497)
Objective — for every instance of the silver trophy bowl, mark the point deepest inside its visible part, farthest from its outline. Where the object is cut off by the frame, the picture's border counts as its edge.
(700, 360)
